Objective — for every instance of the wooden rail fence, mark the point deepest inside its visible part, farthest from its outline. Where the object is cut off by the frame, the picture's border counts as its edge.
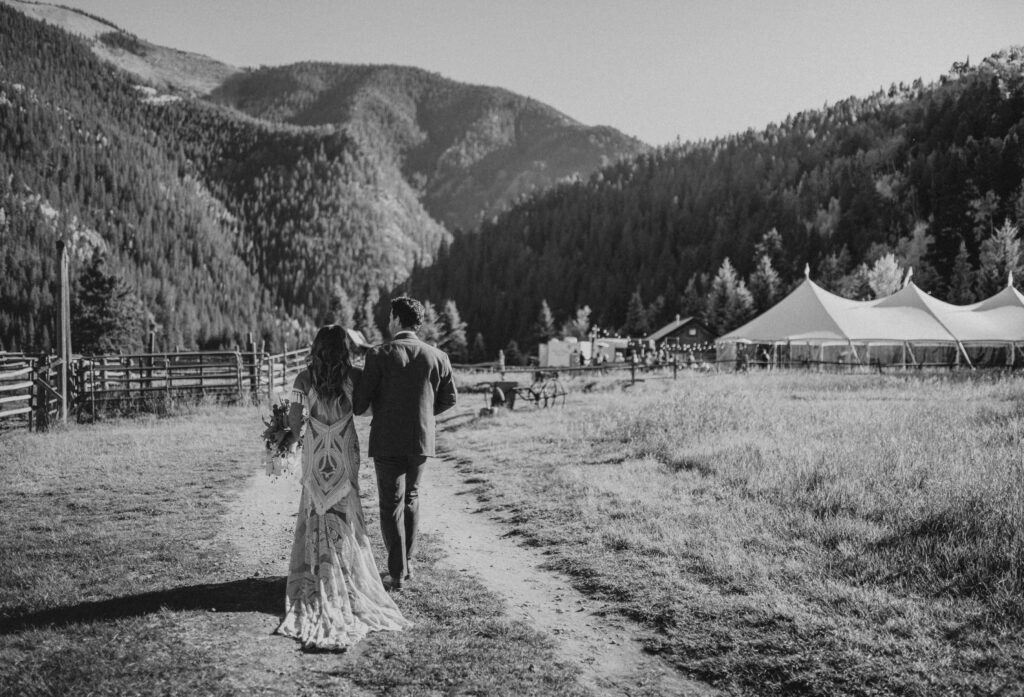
(16, 381)
(30, 391)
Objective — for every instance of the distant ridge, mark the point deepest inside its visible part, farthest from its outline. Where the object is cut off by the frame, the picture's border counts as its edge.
(163, 68)
(471, 150)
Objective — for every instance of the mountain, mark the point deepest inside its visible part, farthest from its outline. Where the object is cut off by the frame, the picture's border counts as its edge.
(926, 173)
(470, 150)
(223, 224)
(239, 201)
(158, 66)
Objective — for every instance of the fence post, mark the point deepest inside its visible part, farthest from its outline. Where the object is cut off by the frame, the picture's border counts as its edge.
(238, 372)
(32, 398)
(151, 359)
(64, 328)
(675, 367)
(253, 385)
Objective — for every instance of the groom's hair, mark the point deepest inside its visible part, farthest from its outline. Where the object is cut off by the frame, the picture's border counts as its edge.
(408, 311)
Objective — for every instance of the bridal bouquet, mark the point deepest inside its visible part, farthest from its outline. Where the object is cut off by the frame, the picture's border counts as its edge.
(282, 446)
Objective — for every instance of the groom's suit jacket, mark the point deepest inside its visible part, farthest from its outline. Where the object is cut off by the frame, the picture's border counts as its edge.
(407, 382)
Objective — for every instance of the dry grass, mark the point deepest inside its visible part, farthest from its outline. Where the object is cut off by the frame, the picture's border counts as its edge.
(114, 580)
(788, 533)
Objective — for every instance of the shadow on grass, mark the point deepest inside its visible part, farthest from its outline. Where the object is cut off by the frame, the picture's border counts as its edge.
(457, 421)
(264, 595)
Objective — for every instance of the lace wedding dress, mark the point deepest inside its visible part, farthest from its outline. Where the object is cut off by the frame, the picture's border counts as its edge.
(334, 592)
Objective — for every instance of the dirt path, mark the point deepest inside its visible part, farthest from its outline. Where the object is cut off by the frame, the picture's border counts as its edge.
(260, 525)
(607, 649)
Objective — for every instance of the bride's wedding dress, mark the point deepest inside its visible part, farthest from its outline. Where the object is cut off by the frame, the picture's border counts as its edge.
(334, 592)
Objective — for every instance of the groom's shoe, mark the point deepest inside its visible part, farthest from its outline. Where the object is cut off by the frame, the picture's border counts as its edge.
(391, 584)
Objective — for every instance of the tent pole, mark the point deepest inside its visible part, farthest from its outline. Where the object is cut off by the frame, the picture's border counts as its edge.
(853, 350)
(911, 352)
(964, 352)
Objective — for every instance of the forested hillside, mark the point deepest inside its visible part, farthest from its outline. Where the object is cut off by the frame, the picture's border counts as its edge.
(469, 150)
(926, 173)
(221, 224)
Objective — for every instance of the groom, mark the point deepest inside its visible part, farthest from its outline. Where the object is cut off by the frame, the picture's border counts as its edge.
(407, 382)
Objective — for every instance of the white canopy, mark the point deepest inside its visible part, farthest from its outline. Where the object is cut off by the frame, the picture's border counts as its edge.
(811, 314)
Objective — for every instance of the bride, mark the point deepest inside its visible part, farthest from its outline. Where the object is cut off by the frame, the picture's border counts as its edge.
(334, 593)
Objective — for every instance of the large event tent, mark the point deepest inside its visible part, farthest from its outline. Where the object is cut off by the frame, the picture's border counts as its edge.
(910, 327)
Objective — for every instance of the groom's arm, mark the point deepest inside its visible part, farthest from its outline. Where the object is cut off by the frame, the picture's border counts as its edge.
(445, 396)
(366, 385)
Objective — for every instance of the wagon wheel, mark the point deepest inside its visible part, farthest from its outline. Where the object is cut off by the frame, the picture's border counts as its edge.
(529, 394)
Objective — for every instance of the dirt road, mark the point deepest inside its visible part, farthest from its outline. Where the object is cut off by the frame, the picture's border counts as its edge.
(606, 649)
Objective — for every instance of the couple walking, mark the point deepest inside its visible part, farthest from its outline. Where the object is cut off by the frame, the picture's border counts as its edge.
(334, 593)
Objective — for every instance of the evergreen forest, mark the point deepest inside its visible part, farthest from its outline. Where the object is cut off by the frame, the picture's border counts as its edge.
(857, 194)
(220, 223)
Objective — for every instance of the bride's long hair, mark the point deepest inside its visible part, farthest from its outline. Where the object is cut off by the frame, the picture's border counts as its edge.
(329, 361)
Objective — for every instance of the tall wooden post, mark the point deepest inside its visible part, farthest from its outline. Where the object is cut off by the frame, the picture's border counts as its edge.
(251, 350)
(64, 328)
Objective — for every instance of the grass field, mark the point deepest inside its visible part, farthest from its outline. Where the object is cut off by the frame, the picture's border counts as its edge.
(115, 580)
(784, 533)
(787, 533)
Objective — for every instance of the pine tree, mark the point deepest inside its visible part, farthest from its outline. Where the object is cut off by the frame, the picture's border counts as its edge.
(885, 277)
(692, 302)
(764, 284)
(961, 284)
(998, 257)
(430, 330)
(637, 317)
(579, 325)
(106, 315)
(544, 327)
(453, 332)
(654, 312)
(729, 304)
(478, 351)
(769, 246)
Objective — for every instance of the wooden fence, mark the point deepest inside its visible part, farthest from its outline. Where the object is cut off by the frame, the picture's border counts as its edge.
(30, 386)
(16, 380)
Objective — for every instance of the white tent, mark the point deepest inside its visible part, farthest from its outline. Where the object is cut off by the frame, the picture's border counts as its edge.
(909, 327)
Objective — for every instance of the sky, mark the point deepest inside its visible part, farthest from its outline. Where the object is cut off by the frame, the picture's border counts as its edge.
(654, 69)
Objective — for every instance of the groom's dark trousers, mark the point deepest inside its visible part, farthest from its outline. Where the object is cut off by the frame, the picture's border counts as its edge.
(398, 483)
(407, 382)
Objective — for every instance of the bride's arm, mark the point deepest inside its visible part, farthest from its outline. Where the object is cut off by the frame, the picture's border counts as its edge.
(297, 406)
(355, 376)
